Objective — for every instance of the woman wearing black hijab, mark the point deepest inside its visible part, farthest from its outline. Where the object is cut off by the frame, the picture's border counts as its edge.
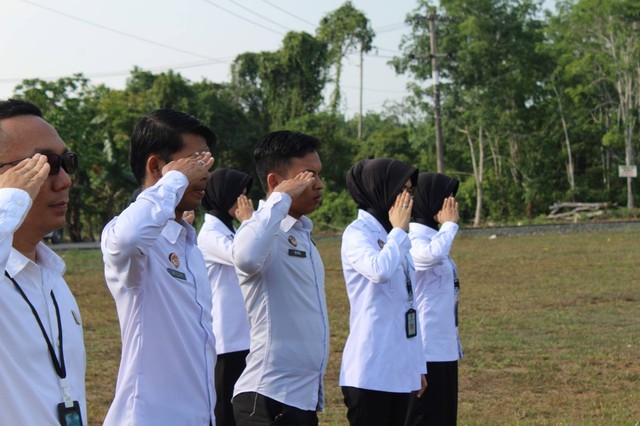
(382, 361)
(436, 296)
(225, 199)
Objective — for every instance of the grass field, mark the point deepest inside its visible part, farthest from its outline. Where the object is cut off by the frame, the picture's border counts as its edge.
(550, 325)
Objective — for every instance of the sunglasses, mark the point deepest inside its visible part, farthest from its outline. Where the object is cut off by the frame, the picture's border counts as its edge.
(68, 161)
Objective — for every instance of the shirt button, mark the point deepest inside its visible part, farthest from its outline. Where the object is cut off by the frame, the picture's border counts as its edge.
(20, 203)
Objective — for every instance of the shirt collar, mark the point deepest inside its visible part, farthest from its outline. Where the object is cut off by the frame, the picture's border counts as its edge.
(422, 229)
(371, 222)
(304, 224)
(46, 257)
(173, 230)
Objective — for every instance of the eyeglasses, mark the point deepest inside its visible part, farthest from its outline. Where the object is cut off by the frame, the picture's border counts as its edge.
(68, 161)
(411, 190)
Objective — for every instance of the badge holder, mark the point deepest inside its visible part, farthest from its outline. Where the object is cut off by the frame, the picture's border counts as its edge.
(410, 323)
(69, 416)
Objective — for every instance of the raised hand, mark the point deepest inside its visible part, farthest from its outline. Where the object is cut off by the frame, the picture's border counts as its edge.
(28, 175)
(400, 213)
(245, 208)
(449, 212)
(195, 167)
(297, 185)
(189, 216)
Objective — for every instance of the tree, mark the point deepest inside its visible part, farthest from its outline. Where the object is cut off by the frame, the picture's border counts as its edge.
(345, 30)
(282, 85)
(604, 34)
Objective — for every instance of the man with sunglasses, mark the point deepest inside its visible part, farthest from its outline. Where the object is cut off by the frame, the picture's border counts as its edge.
(42, 352)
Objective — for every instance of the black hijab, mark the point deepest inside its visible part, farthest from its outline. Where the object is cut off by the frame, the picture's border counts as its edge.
(375, 184)
(429, 197)
(224, 186)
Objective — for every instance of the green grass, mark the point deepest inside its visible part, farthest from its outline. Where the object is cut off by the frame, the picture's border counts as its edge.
(550, 325)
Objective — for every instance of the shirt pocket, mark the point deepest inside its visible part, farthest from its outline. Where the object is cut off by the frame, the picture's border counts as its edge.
(440, 279)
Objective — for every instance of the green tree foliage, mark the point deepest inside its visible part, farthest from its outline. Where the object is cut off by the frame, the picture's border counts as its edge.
(536, 109)
(345, 30)
(282, 85)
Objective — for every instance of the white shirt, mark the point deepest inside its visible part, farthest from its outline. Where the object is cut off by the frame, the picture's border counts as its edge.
(230, 323)
(436, 299)
(158, 279)
(31, 387)
(282, 280)
(378, 355)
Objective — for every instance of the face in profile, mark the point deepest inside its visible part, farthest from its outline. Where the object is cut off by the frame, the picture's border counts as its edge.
(311, 198)
(23, 137)
(194, 193)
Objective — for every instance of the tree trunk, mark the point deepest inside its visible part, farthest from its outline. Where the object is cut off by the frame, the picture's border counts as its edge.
(567, 141)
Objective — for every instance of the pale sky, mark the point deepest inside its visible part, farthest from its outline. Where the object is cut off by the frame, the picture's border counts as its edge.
(104, 39)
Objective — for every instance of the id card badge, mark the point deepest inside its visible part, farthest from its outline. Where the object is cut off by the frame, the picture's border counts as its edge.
(70, 416)
(411, 323)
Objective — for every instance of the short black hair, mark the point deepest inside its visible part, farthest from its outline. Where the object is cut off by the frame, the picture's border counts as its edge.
(160, 133)
(15, 107)
(275, 150)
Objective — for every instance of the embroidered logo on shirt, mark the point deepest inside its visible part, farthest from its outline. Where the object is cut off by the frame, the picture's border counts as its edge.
(381, 243)
(174, 259)
(292, 241)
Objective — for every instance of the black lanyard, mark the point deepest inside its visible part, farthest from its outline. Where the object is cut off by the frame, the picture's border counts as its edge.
(59, 366)
(408, 281)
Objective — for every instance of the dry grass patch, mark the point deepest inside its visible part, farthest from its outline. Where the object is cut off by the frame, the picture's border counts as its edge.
(550, 325)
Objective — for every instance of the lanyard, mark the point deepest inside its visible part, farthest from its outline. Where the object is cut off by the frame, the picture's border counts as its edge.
(407, 278)
(59, 366)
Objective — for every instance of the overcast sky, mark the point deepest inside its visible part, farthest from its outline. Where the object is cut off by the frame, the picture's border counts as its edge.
(104, 39)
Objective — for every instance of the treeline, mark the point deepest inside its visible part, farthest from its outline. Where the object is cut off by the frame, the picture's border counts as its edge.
(536, 108)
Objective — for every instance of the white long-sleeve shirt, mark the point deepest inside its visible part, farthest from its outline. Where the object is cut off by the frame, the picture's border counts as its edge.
(378, 355)
(230, 323)
(159, 282)
(282, 280)
(435, 295)
(31, 387)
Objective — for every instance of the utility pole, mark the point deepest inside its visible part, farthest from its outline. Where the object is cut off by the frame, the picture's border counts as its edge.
(433, 19)
(361, 84)
(433, 27)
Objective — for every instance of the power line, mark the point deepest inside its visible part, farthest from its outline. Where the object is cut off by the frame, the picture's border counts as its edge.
(242, 17)
(113, 30)
(108, 74)
(259, 15)
(288, 13)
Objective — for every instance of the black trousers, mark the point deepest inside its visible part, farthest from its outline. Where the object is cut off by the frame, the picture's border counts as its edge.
(253, 409)
(229, 366)
(439, 403)
(375, 408)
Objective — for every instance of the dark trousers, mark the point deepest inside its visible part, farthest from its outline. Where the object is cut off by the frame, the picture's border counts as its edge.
(229, 366)
(375, 408)
(439, 403)
(253, 409)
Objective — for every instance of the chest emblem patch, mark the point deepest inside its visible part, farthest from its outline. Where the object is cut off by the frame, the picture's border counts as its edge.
(174, 259)
(292, 241)
(381, 243)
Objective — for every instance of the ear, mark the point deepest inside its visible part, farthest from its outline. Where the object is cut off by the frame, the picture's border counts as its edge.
(153, 169)
(273, 180)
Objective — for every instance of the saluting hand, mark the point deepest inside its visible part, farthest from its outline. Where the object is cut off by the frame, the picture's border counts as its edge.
(195, 167)
(449, 212)
(28, 175)
(297, 185)
(245, 208)
(400, 213)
